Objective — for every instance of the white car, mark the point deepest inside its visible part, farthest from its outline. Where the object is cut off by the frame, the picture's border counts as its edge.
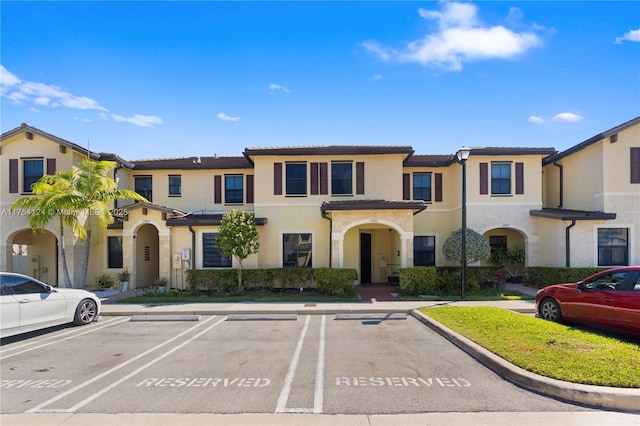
(27, 304)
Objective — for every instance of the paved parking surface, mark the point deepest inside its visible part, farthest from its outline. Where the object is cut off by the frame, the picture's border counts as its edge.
(323, 364)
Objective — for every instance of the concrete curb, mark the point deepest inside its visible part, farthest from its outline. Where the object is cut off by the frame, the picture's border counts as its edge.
(626, 399)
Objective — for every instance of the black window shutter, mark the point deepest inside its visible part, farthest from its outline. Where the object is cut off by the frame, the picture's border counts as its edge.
(484, 178)
(314, 178)
(519, 178)
(13, 175)
(360, 177)
(249, 179)
(406, 186)
(324, 178)
(277, 178)
(217, 189)
(51, 166)
(438, 188)
(635, 165)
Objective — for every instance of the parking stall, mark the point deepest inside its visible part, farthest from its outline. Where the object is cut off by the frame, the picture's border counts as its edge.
(331, 364)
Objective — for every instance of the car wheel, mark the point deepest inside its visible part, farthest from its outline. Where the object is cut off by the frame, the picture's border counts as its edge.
(550, 310)
(86, 312)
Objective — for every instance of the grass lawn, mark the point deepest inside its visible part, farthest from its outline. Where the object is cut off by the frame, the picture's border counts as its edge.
(263, 296)
(553, 350)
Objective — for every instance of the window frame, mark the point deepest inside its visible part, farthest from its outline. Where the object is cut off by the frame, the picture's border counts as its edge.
(497, 183)
(31, 178)
(173, 186)
(292, 182)
(146, 193)
(308, 263)
(229, 189)
(607, 259)
(419, 188)
(346, 183)
(112, 254)
(430, 249)
(213, 254)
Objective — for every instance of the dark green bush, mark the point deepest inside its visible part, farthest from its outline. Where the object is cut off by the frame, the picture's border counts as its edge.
(418, 280)
(335, 281)
(541, 276)
(212, 280)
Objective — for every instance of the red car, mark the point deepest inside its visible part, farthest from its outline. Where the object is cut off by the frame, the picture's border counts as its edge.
(609, 300)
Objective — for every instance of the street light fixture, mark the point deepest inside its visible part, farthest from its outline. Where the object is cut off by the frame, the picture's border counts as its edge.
(463, 155)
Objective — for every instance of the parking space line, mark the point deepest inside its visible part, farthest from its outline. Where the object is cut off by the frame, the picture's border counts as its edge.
(288, 381)
(39, 407)
(139, 369)
(33, 348)
(318, 397)
(32, 342)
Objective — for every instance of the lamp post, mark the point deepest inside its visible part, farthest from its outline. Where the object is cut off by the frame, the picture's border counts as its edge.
(463, 155)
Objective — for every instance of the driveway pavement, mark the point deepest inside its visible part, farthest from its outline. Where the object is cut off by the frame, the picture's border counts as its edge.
(620, 406)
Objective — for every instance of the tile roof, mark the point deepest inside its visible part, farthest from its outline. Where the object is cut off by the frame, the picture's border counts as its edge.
(193, 163)
(566, 214)
(330, 150)
(373, 205)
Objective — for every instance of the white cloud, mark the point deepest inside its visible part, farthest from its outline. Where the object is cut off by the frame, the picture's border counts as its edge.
(461, 37)
(139, 120)
(567, 117)
(377, 77)
(20, 92)
(633, 35)
(276, 87)
(535, 119)
(224, 117)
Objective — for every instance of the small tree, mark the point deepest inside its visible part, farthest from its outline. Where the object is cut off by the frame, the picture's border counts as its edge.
(477, 247)
(238, 237)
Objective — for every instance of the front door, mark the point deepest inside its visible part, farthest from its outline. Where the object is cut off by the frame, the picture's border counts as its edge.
(365, 258)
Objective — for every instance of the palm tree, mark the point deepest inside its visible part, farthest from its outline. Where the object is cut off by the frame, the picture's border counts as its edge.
(53, 197)
(86, 191)
(97, 190)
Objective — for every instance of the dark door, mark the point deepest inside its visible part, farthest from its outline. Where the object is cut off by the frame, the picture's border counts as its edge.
(365, 258)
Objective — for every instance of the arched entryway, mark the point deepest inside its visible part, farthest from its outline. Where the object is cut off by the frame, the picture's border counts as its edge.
(510, 239)
(374, 250)
(34, 254)
(147, 259)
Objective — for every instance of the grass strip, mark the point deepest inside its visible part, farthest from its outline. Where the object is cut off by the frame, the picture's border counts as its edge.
(550, 349)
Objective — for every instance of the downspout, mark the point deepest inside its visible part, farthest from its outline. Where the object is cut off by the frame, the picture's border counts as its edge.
(568, 243)
(193, 247)
(561, 183)
(324, 215)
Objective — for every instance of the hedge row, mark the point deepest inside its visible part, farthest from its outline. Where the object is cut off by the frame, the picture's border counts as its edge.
(444, 280)
(334, 281)
(540, 276)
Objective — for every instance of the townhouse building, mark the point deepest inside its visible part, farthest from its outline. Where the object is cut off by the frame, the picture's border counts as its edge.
(372, 208)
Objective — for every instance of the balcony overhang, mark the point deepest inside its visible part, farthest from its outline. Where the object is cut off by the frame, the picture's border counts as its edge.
(565, 214)
(329, 206)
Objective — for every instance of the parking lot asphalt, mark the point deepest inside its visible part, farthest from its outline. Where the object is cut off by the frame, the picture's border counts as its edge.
(619, 406)
(596, 396)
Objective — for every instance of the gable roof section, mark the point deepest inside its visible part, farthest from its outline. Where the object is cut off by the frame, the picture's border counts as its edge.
(193, 163)
(591, 141)
(511, 151)
(430, 161)
(24, 127)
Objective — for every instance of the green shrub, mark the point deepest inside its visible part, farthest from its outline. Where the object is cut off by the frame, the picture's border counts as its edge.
(540, 276)
(212, 280)
(418, 280)
(103, 281)
(335, 281)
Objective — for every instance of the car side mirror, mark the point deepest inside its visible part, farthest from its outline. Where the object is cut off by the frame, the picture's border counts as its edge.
(580, 285)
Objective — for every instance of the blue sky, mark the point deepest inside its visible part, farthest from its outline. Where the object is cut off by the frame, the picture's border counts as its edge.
(176, 79)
